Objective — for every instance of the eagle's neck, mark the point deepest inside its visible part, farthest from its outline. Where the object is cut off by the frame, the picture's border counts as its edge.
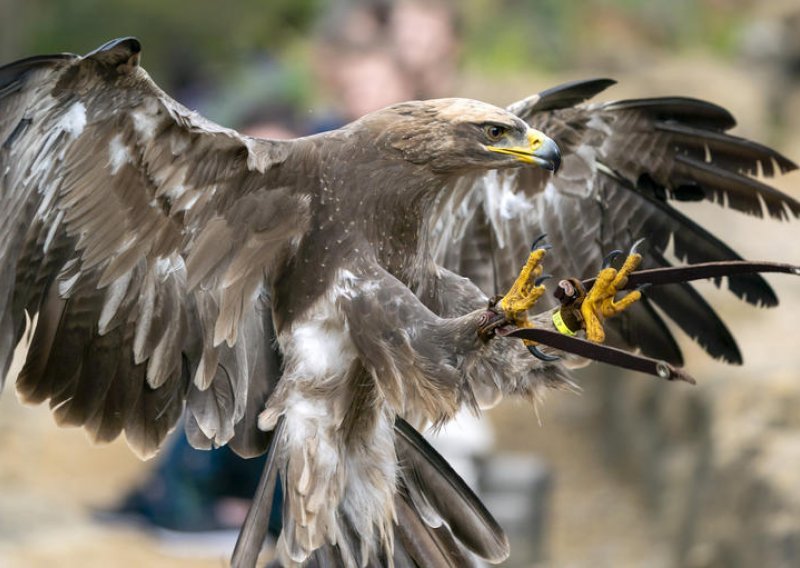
(396, 207)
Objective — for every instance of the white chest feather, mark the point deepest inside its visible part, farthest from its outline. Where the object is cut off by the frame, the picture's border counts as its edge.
(319, 346)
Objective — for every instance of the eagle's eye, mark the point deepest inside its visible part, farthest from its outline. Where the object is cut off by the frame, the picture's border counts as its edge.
(494, 132)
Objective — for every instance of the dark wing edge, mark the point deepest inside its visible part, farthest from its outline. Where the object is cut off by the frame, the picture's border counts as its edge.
(625, 164)
(139, 234)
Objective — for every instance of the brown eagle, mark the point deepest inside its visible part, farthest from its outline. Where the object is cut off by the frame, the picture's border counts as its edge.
(329, 294)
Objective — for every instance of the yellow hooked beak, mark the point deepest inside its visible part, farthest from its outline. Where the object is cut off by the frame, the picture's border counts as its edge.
(539, 150)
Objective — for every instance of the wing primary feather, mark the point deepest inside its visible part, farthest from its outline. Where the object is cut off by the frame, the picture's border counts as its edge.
(642, 326)
(698, 320)
(685, 109)
(687, 308)
(31, 381)
(112, 414)
(693, 243)
(732, 152)
(742, 192)
(561, 96)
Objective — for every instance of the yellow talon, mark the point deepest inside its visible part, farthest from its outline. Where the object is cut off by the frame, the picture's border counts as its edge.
(600, 303)
(524, 292)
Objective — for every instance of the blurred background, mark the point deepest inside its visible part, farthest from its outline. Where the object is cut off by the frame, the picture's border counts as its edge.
(630, 472)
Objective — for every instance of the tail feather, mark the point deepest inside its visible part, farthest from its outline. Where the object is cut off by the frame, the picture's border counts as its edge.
(256, 524)
(419, 540)
(456, 504)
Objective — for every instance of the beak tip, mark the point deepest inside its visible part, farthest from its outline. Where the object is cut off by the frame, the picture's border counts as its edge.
(549, 155)
(555, 156)
(556, 164)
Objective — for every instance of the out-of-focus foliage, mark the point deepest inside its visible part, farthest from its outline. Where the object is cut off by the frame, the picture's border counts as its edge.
(505, 33)
(211, 46)
(180, 36)
(515, 34)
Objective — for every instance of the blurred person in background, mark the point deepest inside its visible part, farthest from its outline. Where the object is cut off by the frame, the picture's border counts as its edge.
(370, 54)
(427, 39)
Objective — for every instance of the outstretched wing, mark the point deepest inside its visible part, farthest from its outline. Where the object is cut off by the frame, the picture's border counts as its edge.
(624, 165)
(140, 234)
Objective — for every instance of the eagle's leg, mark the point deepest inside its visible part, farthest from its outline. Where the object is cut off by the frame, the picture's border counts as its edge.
(527, 288)
(600, 302)
(525, 292)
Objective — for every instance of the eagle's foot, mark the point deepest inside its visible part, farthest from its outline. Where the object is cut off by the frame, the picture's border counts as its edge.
(528, 287)
(600, 302)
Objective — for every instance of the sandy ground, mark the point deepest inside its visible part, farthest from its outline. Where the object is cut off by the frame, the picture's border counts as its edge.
(51, 479)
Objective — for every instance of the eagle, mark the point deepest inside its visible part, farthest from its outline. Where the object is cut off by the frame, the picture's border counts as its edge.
(324, 298)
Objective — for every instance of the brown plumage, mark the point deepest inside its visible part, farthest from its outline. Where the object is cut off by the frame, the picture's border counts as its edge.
(178, 266)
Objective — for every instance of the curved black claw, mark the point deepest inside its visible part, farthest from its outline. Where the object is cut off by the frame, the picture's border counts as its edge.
(636, 246)
(609, 258)
(542, 278)
(541, 356)
(538, 240)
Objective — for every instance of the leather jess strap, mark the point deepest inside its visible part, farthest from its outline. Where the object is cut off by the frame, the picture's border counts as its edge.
(676, 274)
(601, 353)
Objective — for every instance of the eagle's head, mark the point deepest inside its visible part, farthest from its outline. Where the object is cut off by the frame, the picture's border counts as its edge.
(459, 135)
